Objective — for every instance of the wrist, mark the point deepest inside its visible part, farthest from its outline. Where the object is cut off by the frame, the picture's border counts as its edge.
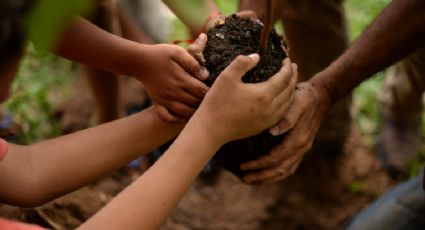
(140, 61)
(201, 123)
(322, 93)
(322, 89)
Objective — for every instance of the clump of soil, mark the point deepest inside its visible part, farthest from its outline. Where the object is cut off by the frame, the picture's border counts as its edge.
(238, 36)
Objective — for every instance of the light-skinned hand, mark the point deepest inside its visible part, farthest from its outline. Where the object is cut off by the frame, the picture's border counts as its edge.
(234, 110)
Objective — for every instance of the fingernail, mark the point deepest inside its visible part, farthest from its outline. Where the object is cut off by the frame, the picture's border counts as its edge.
(254, 57)
(204, 74)
(274, 131)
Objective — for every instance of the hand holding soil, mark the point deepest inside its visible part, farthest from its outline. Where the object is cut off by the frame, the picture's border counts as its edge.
(300, 126)
(172, 79)
(230, 109)
(240, 36)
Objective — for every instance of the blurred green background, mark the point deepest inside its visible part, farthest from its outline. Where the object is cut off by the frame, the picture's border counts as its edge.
(32, 103)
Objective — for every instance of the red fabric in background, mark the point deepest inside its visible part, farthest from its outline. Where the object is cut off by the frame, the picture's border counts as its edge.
(13, 225)
(3, 148)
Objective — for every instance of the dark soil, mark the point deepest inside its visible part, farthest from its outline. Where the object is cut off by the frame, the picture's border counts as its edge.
(230, 38)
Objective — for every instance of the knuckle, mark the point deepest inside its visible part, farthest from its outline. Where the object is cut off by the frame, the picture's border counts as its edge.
(264, 99)
(243, 60)
(183, 111)
(271, 161)
(303, 142)
(191, 48)
(308, 146)
(178, 51)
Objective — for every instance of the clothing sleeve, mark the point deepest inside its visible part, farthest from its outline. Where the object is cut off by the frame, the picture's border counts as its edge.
(12, 225)
(3, 148)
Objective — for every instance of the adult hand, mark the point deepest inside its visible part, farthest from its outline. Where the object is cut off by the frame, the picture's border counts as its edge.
(172, 77)
(233, 110)
(301, 123)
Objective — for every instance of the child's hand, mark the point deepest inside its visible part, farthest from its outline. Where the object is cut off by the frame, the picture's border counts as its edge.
(172, 79)
(234, 110)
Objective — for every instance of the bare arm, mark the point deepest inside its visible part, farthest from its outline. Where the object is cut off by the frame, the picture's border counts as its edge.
(228, 112)
(41, 172)
(169, 74)
(86, 43)
(395, 33)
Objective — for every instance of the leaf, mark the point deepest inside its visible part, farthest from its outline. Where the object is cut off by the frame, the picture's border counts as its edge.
(48, 17)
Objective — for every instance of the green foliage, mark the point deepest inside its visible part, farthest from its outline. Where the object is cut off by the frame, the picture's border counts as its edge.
(416, 165)
(355, 187)
(43, 80)
(365, 97)
(365, 109)
(227, 7)
(48, 17)
(361, 12)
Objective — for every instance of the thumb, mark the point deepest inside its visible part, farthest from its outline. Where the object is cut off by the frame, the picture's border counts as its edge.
(197, 47)
(191, 65)
(240, 66)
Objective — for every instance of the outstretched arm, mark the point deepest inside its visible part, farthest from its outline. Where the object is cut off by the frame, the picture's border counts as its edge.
(169, 74)
(35, 174)
(394, 34)
(228, 112)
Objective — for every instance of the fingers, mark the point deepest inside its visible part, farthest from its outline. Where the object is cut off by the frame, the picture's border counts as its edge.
(279, 172)
(276, 155)
(284, 100)
(179, 109)
(291, 170)
(197, 47)
(281, 80)
(186, 98)
(283, 108)
(191, 85)
(247, 14)
(166, 116)
(238, 68)
(296, 111)
(190, 65)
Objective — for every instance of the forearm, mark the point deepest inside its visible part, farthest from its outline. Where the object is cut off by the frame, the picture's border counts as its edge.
(395, 33)
(83, 42)
(55, 167)
(147, 202)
